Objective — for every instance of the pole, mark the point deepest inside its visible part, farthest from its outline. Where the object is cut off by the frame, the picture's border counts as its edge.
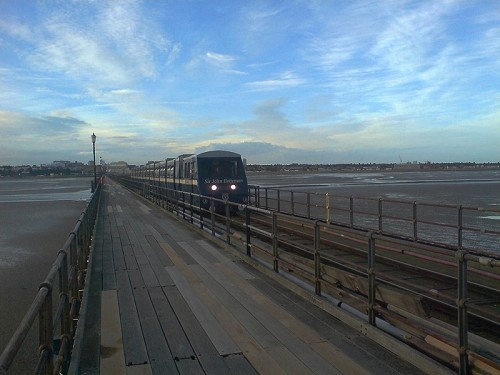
(93, 151)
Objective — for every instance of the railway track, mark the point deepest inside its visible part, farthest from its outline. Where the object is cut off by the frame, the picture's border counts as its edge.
(420, 270)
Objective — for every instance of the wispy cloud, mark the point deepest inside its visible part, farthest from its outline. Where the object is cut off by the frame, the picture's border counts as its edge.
(367, 78)
(285, 80)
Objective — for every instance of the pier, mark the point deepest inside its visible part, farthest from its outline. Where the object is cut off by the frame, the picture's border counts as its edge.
(163, 298)
(263, 292)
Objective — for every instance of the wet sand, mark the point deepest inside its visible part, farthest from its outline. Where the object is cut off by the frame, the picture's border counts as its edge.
(31, 234)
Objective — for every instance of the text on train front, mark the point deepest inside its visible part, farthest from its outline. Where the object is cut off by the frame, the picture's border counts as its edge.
(224, 179)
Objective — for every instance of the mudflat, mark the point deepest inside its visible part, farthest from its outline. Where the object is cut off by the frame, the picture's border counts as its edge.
(31, 234)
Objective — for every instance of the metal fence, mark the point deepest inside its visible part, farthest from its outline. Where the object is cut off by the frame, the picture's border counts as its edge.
(57, 301)
(453, 226)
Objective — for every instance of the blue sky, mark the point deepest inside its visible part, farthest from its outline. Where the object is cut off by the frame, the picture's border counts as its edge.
(277, 81)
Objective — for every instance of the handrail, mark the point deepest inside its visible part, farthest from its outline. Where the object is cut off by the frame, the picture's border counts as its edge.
(67, 274)
(446, 225)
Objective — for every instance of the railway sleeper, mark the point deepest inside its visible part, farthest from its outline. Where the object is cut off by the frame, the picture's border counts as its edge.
(439, 339)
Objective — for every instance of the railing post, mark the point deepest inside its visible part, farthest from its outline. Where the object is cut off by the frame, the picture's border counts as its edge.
(308, 205)
(371, 280)
(191, 212)
(266, 196)
(279, 200)
(460, 227)
(275, 242)
(247, 226)
(228, 224)
(46, 330)
(64, 293)
(317, 258)
(66, 331)
(201, 214)
(463, 345)
(292, 203)
(212, 215)
(380, 229)
(81, 261)
(75, 298)
(351, 211)
(415, 221)
(327, 208)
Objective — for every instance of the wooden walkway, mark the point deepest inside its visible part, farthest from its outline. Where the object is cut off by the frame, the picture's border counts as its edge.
(163, 299)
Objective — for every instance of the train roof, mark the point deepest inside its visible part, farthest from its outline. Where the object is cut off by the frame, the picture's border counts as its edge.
(219, 154)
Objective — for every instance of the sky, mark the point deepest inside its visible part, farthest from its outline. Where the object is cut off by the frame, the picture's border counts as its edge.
(279, 82)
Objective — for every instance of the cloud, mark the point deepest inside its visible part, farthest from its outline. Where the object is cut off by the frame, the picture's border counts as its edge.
(40, 138)
(113, 43)
(285, 80)
(219, 59)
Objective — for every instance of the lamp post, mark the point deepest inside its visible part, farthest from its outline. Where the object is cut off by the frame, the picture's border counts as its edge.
(93, 150)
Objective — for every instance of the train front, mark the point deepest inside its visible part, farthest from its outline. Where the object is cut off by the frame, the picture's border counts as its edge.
(221, 175)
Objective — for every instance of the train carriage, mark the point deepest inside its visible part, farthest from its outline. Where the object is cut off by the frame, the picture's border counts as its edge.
(218, 174)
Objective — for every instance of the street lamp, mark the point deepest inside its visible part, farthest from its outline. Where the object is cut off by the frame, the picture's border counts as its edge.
(93, 150)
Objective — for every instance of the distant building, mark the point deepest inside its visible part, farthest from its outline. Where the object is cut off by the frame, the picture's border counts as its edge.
(119, 167)
(60, 163)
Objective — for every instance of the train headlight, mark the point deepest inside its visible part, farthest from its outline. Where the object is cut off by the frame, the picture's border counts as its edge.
(214, 187)
(233, 187)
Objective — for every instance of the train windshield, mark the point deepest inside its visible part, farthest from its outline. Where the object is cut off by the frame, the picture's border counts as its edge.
(221, 169)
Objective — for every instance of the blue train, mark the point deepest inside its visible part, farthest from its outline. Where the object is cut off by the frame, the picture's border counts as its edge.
(217, 174)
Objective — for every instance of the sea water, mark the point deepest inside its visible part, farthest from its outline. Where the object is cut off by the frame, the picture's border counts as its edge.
(478, 191)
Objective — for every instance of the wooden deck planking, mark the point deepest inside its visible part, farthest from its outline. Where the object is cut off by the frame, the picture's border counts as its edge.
(108, 266)
(245, 318)
(178, 343)
(268, 319)
(239, 331)
(299, 354)
(203, 348)
(118, 257)
(112, 356)
(343, 341)
(129, 257)
(133, 340)
(219, 337)
(156, 344)
(229, 262)
(187, 306)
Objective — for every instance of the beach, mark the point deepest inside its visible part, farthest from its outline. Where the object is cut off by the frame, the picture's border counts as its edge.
(32, 231)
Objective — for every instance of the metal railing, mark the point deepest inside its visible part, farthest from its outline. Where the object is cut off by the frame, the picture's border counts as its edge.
(318, 266)
(453, 226)
(58, 316)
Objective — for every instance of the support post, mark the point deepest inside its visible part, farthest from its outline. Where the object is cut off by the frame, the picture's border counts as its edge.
(327, 207)
(228, 224)
(371, 280)
(317, 258)
(462, 313)
(275, 242)
(46, 330)
(247, 226)
(380, 213)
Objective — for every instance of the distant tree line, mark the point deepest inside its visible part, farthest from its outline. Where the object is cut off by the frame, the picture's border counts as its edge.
(368, 166)
(35, 170)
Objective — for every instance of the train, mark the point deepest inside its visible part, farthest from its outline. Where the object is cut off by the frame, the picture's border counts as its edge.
(212, 174)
